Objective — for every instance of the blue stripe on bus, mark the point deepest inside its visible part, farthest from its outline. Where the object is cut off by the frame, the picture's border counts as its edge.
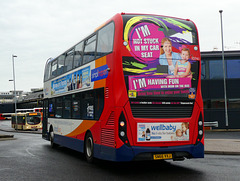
(126, 153)
(68, 142)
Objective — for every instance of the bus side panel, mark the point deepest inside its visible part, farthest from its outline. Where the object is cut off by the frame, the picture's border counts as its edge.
(123, 153)
(75, 144)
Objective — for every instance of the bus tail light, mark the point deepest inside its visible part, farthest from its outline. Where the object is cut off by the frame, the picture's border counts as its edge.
(122, 129)
(122, 123)
(200, 129)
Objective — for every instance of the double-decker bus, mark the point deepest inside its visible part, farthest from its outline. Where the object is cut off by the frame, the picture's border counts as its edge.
(2, 117)
(129, 91)
(27, 121)
(5, 116)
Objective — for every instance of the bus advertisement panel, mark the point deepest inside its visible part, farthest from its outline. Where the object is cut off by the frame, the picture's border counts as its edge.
(163, 132)
(76, 80)
(165, 58)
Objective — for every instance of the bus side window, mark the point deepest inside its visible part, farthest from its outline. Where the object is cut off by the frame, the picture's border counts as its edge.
(99, 102)
(61, 68)
(105, 40)
(54, 69)
(47, 71)
(67, 106)
(88, 105)
(78, 55)
(76, 106)
(69, 60)
(59, 107)
(21, 119)
(89, 49)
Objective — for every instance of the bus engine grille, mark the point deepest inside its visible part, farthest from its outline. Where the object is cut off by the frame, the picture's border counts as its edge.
(161, 111)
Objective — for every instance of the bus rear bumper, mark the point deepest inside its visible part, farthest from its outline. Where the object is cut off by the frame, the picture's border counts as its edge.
(126, 153)
(178, 152)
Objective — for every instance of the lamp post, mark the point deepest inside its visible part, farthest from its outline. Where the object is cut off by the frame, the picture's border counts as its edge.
(224, 76)
(15, 95)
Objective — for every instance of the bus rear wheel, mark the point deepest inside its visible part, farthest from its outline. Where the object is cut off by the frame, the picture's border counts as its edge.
(89, 147)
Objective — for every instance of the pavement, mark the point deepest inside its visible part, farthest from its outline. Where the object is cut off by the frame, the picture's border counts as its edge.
(222, 146)
(5, 126)
(222, 142)
(6, 137)
(218, 142)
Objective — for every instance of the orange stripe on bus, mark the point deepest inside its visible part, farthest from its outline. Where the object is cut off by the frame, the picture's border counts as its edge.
(100, 62)
(100, 83)
(83, 127)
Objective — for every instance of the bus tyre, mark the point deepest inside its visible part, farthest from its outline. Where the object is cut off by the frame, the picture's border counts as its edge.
(89, 147)
(53, 145)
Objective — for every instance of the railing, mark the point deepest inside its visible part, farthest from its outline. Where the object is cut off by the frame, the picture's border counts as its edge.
(211, 124)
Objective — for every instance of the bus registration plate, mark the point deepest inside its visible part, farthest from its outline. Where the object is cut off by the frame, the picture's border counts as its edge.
(162, 156)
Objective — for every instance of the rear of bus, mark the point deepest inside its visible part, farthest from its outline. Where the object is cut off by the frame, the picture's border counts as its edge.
(162, 115)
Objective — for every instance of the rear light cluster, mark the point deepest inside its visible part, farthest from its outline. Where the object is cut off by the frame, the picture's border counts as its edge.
(122, 131)
(200, 129)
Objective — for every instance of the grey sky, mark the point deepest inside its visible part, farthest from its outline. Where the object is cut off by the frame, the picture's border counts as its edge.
(35, 30)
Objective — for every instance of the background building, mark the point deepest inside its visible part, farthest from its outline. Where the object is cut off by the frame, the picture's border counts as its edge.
(7, 101)
(25, 100)
(32, 99)
(213, 87)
